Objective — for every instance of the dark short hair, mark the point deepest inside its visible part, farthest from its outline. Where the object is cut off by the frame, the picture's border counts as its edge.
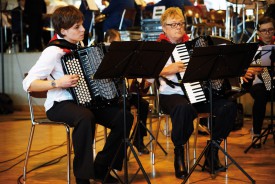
(65, 17)
(264, 20)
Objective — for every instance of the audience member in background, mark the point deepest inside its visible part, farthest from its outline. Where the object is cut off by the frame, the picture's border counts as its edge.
(88, 16)
(270, 11)
(18, 24)
(170, 3)
(135, 100)
(34, 10)
(113, 14)
(258, 91)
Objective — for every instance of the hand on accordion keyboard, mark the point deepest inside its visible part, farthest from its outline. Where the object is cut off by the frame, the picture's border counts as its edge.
(173, 68)
(68, 81)
(251, 72)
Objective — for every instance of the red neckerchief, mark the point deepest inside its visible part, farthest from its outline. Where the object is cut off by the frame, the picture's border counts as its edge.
(64, 49)
(262, 43)
(162, 36)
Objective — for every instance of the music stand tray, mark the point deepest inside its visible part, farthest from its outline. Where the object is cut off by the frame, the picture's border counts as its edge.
(133, 59)
(218, 62)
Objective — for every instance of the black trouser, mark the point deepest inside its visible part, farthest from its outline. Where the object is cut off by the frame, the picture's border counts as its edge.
(261, 96)
(224, 113)
(143, 108)
(83, 120)
(182, 114)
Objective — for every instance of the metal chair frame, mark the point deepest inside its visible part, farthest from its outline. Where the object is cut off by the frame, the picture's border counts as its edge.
(42, 121)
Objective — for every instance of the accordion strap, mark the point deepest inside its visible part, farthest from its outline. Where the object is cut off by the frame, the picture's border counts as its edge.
(63, 44)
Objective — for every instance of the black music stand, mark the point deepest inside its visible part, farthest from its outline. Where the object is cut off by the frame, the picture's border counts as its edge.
(269, 129)
(218, 62)
(132, 60)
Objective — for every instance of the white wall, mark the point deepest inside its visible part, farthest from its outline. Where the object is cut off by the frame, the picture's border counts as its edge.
(15, 65)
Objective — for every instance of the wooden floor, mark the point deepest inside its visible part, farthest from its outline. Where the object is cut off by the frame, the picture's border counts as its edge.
(14, 132)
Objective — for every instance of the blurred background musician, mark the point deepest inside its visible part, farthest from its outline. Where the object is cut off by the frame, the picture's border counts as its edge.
(113, 13)
(135, 100)
(169, 3)
(88, 16)
(270, 11)
(18, 25)
(34, 10)
(258, 91)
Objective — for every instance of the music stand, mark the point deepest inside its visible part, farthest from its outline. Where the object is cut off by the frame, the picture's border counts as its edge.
(133, 59)
(268, 55)
(218, 62)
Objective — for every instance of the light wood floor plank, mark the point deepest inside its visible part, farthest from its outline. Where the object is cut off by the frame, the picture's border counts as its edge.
(259, 164)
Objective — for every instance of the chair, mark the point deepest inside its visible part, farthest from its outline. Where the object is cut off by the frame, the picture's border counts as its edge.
(39, 121)
(129, 14)
(217, 22)
(153, 105)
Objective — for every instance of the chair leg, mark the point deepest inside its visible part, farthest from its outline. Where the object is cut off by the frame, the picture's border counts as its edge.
(155, 141)
(195, 139)
(187, 156)
(225, 157)
(28, 153)
(68, 154)
(166, 130)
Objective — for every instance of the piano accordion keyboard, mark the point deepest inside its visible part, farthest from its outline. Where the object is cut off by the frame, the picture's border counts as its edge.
(193, 90)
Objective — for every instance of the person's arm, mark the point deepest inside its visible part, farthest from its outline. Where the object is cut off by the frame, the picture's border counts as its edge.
(47, 64)
(173, 68)
(251, 72)
(44, 85)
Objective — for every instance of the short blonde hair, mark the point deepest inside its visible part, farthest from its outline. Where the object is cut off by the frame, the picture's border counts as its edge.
(171, 12)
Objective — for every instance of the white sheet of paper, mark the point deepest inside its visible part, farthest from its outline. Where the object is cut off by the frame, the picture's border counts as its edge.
(266, 52)
(92, 5)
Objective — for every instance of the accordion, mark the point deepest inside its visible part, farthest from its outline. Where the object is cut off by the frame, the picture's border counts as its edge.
(198, 91)
(89, 92)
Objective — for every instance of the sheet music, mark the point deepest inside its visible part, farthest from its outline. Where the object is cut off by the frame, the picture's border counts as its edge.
(266, 52)
(140, 2)
(92, 5)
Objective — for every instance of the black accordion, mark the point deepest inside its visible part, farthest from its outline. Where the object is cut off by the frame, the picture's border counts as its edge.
(198, 91)
(89, 92)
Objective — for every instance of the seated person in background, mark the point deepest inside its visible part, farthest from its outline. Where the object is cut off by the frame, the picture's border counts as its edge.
(113, 14)
(88, 15)
(169, 3)
(174, 101)
(258, 91)
(113, 35)
(270, 11)
(60, 106)
(18, 24)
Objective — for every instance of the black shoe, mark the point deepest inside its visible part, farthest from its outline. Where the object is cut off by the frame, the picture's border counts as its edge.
(217, 166)
(179, 164)
(101, 172)
(142, 149)
(258, 144)
(82, 181)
